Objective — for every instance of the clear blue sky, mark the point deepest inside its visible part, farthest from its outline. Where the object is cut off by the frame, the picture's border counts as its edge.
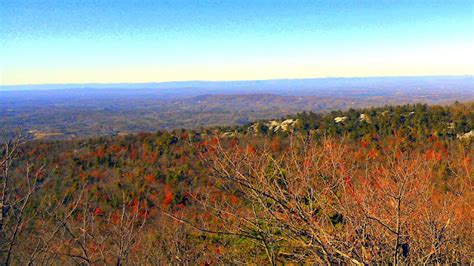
(141, 41)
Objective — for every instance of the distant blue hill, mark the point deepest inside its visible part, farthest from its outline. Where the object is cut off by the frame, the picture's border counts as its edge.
(275, 85)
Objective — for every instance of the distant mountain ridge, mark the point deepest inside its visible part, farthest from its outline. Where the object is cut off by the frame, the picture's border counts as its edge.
(281, 84)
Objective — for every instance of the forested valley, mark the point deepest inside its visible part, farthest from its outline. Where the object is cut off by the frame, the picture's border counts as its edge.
(385, 185)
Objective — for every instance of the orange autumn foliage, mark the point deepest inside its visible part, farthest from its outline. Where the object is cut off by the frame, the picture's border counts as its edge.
(150, 179)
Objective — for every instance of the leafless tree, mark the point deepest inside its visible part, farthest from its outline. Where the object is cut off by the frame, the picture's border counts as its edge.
(315, 202)
(17, 188)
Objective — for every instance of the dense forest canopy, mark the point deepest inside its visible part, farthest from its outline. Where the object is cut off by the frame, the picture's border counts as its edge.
(391, 184)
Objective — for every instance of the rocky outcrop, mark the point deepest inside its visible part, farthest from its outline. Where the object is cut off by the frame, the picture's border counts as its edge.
(275, 126)
(365, 118)
(340, 119)
(467, 135)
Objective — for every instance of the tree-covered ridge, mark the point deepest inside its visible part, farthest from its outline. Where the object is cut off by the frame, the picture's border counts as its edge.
(325, 192)
(419, 121)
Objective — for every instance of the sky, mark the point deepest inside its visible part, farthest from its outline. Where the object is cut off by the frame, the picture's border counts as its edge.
(114, 41)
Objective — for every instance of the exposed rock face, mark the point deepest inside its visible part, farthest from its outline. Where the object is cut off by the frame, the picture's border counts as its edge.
(285, 125)
(253, 128)
(275, 126)
(365, 118)
(467, 135)
(340, 119)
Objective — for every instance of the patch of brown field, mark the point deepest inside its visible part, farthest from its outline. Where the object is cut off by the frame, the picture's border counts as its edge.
(43, 135)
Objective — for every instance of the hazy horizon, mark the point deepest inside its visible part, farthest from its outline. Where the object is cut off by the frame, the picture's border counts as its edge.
(233, 81)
